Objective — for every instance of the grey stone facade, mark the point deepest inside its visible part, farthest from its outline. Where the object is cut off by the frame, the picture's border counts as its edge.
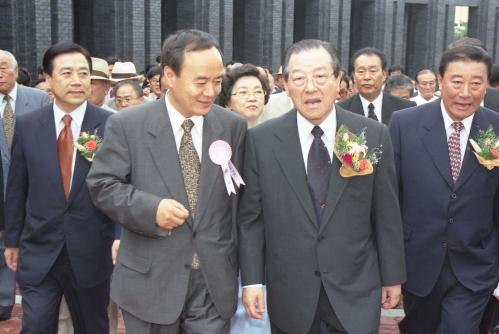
(412, 33)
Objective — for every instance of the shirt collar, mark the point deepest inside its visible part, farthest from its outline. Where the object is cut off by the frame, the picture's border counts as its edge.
(448, 121)
(12, 94)
(328, 125)
(176, 118)
(77, 114)
(377, 102)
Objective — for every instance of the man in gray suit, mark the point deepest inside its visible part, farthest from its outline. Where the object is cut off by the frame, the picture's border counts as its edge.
(155, 174)
(329, 248)
(14, 99)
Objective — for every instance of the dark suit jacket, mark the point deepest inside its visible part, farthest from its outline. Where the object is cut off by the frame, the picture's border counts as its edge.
(38, 219)
(390, 104)
(491, 99)
(138, 166)
(357, 249)
(439, 217)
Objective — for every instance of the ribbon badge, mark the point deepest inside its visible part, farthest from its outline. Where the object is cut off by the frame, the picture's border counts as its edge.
(220, 153)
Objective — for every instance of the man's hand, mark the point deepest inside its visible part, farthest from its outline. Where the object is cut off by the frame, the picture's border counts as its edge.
(254, 302)
(390, 296)
(170, 214)
(114, 250)
(11, 258)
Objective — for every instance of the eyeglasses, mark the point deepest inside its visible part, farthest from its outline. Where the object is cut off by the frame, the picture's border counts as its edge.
(300, 80)
(244, 94)
(127, 99)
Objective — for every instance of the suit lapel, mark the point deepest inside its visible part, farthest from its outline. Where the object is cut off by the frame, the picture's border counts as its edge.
(357, 105)
(435, 143)
(90, 122)
(47, 146)
(290, 158)
(337, 183)
(386, 108)
(164, 152)
(212, 131)
(470, 162)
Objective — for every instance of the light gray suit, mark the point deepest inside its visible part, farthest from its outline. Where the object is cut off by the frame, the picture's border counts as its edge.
(135, 168)
(28, 99)
(357, 249)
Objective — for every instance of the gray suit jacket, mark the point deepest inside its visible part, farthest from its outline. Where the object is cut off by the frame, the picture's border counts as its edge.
(390, 104)
(137, 166)
(28, 99)
(357, 249)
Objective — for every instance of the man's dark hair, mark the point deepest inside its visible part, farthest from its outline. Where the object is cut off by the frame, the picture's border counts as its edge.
(37, 82)
(182, 41)
(370, 51)
(310, 44)
(112, 59)
(24, 77)
(231, 77)
(396, 68)
(424, 71)
(155, 70)
(465, 53)
(399, 81)
(494, 76)
(62, 48)
(467, 41)
(346, 79)
(133, 83)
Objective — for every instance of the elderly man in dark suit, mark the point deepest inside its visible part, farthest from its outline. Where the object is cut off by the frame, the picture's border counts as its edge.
(328, 247)
(158, 174)
(449, 200)
(15, 100)
(368, 70)
(58, 242)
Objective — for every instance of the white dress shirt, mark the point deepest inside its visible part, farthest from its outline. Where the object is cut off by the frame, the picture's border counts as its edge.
(77, 116)
(378, 105)
(328, 126)
(176, 119)
(449, 129)
(421, 100)
(13, 98)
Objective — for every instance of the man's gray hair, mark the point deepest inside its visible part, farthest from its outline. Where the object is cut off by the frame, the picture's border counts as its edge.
(13, 60)
(399, 81)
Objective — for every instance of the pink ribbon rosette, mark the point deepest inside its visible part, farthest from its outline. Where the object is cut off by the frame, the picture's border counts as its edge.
(220, 153)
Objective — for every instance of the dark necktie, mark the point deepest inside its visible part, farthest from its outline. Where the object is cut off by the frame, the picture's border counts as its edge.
(191, 170)
(318, 171)
(371, 113)
(454, 144)
(65, 152)
(8, 122)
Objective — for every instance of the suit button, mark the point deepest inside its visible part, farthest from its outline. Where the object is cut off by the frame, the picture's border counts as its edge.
(451, 221)
(193, 235)
(187, 266)
(320, 238)
(453, 196)
(444, 244)
(317, 273)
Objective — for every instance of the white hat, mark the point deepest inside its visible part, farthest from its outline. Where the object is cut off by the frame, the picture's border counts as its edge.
(124, 71)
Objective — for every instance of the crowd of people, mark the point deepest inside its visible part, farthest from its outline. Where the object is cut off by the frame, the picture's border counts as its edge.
(203, 197)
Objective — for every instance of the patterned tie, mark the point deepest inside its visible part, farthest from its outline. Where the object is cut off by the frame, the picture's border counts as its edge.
(191, 170)
(8, 121)
(370, 113)
(454, 144)
(65, 152)
(318, 171)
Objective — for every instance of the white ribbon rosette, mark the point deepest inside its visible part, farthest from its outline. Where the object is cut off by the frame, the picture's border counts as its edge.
(220, 153)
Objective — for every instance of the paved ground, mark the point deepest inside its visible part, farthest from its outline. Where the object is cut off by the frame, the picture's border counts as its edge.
(13, 326)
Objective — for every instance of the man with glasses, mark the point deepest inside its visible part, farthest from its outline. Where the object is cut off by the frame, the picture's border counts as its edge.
(368, 70)
(328, 247)
(426, 84)
(128, 93)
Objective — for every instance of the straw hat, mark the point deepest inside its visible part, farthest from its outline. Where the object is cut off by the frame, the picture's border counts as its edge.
(99, 69)
(124, 71)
